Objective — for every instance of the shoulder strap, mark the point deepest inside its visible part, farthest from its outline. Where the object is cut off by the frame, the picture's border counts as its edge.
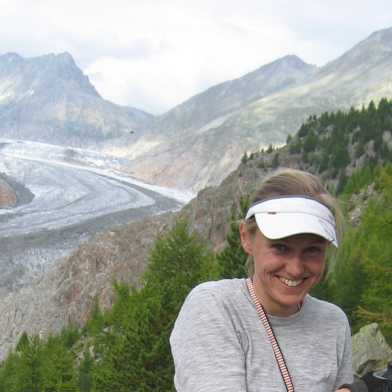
(271, 337)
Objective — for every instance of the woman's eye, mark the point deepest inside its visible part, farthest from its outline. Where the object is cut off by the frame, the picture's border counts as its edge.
(314, 250)
(280, 248)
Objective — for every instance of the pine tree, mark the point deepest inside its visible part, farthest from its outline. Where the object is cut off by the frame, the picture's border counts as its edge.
(275, 161)
(310, 142)
(232, 260)
(57, 367)
(9, 374)
(96, 321)
(29, 374)
(85, 372)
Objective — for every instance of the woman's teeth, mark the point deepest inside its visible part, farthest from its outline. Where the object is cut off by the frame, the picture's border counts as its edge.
(291, 283)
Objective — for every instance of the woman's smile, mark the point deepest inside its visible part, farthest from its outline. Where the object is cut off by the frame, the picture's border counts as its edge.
(290, 282)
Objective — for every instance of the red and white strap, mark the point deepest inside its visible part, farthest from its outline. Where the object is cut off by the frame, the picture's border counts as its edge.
(271, 337)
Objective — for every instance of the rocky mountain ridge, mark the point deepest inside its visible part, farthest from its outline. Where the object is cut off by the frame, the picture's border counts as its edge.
(196, 131)
(226, 97)
(204, 156)
(197, 143)
(49, 99)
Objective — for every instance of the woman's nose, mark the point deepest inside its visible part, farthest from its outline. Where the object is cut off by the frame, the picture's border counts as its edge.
(295, 266)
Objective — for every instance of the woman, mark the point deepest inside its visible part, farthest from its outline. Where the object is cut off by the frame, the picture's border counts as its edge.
(266, 334)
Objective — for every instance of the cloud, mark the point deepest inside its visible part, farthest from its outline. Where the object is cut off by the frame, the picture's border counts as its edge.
(154, 54)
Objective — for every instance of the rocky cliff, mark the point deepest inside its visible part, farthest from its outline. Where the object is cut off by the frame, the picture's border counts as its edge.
(7, 195)
(67, 291)
(49, 99)
(12, 192)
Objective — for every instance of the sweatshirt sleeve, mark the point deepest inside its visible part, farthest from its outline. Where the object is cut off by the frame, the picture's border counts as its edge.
(345, 367)
(207, 352)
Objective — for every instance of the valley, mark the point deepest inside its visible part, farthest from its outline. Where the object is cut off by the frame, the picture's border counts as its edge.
(72, 202)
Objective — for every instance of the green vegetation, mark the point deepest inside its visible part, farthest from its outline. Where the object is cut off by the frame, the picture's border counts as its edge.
(232, 260)
(38, 366)
(360, 280)
(333, 141)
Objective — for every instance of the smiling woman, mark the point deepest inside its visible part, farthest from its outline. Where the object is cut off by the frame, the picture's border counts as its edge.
(266, 333)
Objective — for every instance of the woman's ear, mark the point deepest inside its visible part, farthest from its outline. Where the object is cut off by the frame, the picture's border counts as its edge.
(246, 240)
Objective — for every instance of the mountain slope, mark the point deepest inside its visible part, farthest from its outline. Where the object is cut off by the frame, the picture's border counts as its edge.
(191, 146)
(49, 99)
(200, 157)
(229, 96)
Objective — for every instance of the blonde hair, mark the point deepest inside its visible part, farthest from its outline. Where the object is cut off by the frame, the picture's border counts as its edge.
(289, 182)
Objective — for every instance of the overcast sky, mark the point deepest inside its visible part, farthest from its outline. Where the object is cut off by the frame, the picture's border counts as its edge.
(154, 54)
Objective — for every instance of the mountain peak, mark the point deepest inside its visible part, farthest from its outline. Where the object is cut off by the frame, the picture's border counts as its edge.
(288, 61)
(49, 74)
(65, 58)
(282, 67)
(373, 50)
(10, 57)
(291, 59)
(55, 68)
(381, 35)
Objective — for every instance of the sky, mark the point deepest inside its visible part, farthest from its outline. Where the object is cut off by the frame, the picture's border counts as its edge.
(155, 54)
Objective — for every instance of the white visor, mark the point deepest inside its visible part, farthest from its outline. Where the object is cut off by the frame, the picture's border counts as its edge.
(289, 215)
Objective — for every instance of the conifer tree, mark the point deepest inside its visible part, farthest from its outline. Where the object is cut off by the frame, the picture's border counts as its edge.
(85, 372)
(29, 374)
(23, 342)
(96, 321)
(232, 260)
(9, 374)
(58, 371)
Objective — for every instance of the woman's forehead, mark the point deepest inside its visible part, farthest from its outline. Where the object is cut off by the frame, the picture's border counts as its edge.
(300, 238)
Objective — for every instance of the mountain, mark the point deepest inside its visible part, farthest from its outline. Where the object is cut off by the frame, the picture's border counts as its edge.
(229, 96)
(49, 99)
(67, 292)
(195, 157)
(198, 143)
(190, 145)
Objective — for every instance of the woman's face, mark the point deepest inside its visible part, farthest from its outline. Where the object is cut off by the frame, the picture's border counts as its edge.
(285, 269)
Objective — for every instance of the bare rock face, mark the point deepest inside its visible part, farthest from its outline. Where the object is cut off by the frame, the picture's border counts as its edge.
(119, 255)
(49, 99)
(370, 350)
(7, 195)
(68, 291)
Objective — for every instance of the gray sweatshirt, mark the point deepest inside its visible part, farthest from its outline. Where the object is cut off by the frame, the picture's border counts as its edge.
(219, 344)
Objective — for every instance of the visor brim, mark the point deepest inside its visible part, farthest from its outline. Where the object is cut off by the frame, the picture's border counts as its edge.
(281, 225)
